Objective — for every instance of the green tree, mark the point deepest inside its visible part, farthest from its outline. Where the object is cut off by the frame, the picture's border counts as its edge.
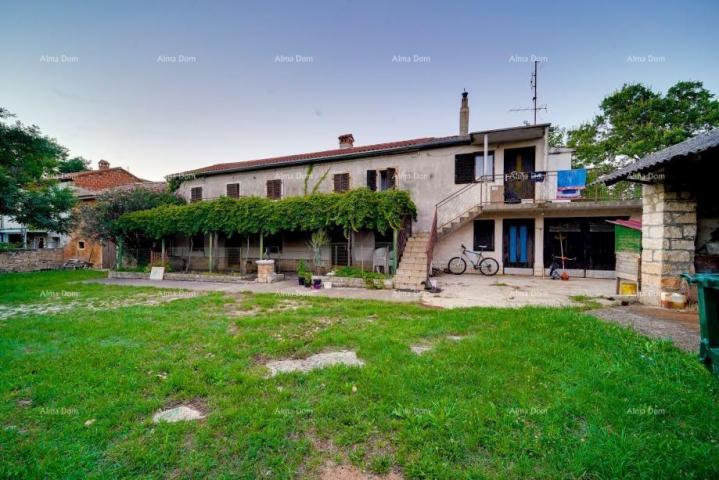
(28, 162)
(72, 165)
(98, 220)
(635, 121)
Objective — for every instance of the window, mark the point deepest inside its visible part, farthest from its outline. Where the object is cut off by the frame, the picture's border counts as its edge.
(195, 194)
(484, 169)
(198, 243)
(274, 189)
(484, 235)
(387, 179)
(471, 167)
(341, 182)
(272, 244)
(233, 190)
(81, 245)
(372, 180)
(464, 168)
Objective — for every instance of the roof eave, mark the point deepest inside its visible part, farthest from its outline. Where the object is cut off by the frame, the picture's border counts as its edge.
(351, 156)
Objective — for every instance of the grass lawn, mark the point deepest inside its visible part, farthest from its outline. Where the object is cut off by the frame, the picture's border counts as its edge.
(526, 393)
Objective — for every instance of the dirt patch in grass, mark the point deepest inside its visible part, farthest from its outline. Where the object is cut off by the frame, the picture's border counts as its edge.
(50, 308)
(331, 471)
(421, 348)
(319, 360)
(182, 411)
(241, 309)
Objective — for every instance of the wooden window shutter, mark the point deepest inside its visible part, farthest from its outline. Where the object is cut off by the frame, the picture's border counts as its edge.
(233, 190)
(341, 182)
(392, 177)
(274, 189)
(464, 168)
(195, 194)
(372, 179)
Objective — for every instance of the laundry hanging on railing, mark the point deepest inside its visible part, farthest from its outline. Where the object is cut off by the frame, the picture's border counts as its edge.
(570, 183)
(537, 176)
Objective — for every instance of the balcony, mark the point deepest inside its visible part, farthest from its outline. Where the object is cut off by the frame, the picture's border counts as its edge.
(528, 191)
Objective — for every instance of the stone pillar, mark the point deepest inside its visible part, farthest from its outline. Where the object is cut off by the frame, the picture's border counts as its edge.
(265, 270)
(669, 229)
(538, 245)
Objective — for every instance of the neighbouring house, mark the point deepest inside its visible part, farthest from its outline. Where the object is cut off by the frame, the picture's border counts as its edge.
(504, 190)
(87, 186)
(680, 212)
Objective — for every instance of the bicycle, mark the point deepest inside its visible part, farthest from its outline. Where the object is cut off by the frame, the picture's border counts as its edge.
(486, 265)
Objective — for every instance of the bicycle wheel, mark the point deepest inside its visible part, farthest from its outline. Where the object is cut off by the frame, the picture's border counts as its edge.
(488, 266)
(457, 265)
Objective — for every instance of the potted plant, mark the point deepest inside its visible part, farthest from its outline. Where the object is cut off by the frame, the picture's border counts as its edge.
(301, 271)
(317, 242)
(308, 279)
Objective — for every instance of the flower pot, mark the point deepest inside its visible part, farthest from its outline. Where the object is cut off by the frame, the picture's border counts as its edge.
(300, 280)
(328, 285)
(317, 283)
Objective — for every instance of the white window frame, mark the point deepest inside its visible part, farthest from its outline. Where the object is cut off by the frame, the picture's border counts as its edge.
(484, 175)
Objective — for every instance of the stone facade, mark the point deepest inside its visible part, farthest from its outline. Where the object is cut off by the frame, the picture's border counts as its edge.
(31, 260)
(669, 229)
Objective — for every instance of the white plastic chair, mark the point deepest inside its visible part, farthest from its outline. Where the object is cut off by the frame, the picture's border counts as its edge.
(379, 259)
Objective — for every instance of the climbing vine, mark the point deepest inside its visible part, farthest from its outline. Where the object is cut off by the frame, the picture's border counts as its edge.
(354, 210)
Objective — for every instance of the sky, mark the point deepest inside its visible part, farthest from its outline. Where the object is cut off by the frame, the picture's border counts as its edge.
(160, 87)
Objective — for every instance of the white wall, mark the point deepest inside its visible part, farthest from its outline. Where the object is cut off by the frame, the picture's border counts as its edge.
(427, 175)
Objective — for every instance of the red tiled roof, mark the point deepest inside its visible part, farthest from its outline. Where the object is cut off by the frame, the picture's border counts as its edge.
(101, 179)
(338, 152)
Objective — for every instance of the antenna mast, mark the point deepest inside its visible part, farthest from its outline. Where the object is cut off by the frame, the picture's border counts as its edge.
(533, 83)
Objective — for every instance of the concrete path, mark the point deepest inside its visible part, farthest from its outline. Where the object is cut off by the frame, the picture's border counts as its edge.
(286, 287)
(469, 290)
(681, 327)
(475, 290)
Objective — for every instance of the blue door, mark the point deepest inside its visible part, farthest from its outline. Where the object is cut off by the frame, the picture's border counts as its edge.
(519, 243)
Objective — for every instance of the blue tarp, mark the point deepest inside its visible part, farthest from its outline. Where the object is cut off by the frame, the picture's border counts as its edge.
(570, 183)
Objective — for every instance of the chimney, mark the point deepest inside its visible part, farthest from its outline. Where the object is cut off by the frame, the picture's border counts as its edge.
(346, 140)
(464, 115)
(103, 165)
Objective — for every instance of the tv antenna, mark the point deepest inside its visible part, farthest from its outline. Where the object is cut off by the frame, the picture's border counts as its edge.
(535, 107)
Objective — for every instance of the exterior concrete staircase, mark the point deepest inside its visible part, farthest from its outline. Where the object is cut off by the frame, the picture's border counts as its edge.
(412, 269)
(465, 217)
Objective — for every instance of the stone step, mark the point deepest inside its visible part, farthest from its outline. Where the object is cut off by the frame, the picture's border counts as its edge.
(415, 267)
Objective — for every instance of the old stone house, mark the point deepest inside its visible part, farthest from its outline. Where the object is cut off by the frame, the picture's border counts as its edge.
(503, 190)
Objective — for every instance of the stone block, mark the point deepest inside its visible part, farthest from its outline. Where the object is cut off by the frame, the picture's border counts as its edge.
(678, 256)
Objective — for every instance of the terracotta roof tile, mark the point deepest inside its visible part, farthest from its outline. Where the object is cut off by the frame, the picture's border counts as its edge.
(338, 152)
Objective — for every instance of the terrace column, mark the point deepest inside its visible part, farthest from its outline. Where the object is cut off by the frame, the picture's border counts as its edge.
(669, 229)
(539, 246)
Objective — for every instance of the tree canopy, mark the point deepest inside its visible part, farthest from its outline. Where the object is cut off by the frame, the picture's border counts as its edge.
(100, 220)
(28, 161)
(635, 121)
(72, 165)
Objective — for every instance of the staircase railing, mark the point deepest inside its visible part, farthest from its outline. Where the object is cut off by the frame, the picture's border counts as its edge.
(430, 248)
(458, 203)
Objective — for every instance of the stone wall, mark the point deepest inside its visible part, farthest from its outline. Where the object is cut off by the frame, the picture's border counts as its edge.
(669, 229)
(31, 260)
